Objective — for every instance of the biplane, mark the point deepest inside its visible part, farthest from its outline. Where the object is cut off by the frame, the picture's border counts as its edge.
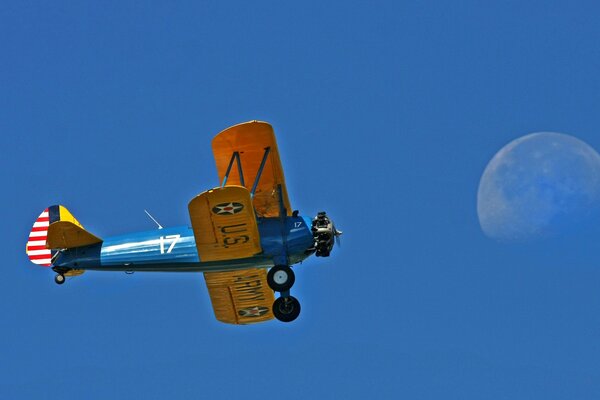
(238, 231)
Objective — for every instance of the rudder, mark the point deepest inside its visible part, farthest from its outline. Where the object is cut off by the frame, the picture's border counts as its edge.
(36, 244)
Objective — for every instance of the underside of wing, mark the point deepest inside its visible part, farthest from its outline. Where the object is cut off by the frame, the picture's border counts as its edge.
(241, 150)
(224, 224)
(240, 297)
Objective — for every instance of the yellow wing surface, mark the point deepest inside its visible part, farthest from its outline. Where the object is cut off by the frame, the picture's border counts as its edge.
(240, 297)
(250, 141)
(224, 224)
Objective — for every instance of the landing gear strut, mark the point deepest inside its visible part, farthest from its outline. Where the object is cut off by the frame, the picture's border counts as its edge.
(281, 278)
(59, 279)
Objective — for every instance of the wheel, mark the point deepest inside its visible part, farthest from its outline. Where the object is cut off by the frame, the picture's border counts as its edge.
(286, 309)
(281, 278)
(59, 279)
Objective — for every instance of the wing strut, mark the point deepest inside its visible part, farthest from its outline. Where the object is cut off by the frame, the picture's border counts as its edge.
(235, 156)
(260, 170)
(282, 258)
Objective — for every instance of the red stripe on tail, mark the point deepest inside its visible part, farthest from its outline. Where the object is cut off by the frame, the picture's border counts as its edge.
(43, 256)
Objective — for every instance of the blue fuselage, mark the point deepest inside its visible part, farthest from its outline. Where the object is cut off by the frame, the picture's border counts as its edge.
(286, 242)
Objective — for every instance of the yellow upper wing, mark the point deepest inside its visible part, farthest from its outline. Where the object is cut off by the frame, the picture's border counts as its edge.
(240, 297)
(224, 224)
(250, 140)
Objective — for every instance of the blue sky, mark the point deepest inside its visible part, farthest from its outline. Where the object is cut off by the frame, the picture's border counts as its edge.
(386, 114)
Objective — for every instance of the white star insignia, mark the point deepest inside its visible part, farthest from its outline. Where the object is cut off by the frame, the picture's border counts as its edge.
(228, 208)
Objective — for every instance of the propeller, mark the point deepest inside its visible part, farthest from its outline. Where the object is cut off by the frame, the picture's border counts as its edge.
(325, 234)
(337, 235)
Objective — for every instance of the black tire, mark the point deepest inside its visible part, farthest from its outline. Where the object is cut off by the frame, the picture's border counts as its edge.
(59, 279)
(281, 278)
(286, 309)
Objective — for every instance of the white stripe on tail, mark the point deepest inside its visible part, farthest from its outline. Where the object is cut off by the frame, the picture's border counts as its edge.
(36, 246)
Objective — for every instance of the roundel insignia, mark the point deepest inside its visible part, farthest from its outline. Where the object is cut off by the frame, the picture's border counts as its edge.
(253, 311)
(227, 208)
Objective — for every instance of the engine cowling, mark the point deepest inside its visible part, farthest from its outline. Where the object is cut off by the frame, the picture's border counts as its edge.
(324, 234)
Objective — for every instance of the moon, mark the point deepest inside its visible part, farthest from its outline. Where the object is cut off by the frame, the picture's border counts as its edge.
(537, 186)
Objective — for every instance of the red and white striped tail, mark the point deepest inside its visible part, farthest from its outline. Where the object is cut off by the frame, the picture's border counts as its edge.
(36, 245)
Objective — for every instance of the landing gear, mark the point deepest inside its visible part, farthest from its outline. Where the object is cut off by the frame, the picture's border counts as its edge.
(59, 279)
(286, 309)
(281, 278)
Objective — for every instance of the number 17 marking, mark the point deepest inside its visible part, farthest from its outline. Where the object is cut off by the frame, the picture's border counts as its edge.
(175, 238)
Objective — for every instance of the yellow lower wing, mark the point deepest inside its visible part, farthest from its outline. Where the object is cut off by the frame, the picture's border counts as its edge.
(240, 297)
(224, 224)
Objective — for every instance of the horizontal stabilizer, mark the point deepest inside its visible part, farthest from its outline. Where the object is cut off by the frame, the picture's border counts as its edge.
(56, 228)
(67, 234)
(74, 272)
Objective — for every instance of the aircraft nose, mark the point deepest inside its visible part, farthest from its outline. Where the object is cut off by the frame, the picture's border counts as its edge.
(325, 234)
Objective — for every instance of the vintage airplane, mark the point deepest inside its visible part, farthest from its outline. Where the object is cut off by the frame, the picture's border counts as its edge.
(238, 230)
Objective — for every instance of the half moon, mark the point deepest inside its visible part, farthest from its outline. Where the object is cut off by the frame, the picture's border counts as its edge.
(539, 185)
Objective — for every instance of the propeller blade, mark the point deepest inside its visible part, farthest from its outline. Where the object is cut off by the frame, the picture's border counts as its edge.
(337, 235)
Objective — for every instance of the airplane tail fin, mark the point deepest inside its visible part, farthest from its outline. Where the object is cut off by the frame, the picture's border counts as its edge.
(36, 248)
(55, 228)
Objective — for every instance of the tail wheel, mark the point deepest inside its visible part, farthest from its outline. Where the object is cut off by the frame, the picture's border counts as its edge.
(286, 309)
(59, 279)
(281, 278)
